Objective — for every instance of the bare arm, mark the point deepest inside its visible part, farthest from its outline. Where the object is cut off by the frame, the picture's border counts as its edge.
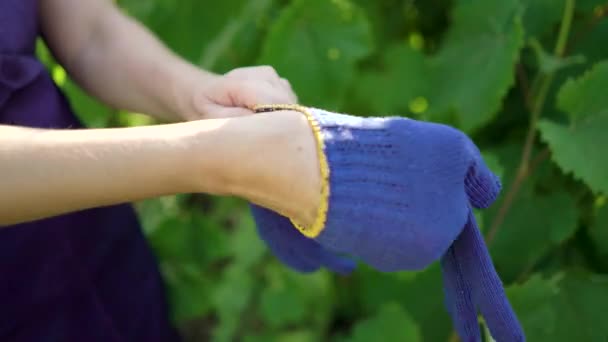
(120, 62)
(49, 172)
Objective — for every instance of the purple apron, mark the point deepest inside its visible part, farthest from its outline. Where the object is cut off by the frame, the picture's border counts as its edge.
(86, 276)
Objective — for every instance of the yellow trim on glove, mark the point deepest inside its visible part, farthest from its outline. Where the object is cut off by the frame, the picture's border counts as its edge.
(317, 227)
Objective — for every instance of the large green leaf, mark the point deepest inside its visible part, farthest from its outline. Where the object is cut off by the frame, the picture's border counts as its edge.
(532, 227)
(567, 307)
(399, 82)
(391, 323)
(475, 67)
(532, 303)
(541, 218)
(578, 147)
(315, 44)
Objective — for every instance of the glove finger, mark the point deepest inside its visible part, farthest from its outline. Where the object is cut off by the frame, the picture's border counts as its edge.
(458, 298)
(294, 249)
(481, 185)
(487, 288)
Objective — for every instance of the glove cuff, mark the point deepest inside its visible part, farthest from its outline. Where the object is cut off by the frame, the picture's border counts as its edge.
(315, 229)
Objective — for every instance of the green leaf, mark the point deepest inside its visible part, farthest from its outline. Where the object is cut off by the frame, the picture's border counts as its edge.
(599, 230)
(575, 147)
(420, 292)
(247, 248)
(532, 228)
(315, 45)
(227, 37)
(532, 303)
(237, 43)
(583, 97)
(567, 307)
(295, 299)
(465, 81)
(540, 16)
(398, 83)
(189, 238)
(187, 289)
(230, 300)
(391, 323)
(474, 67)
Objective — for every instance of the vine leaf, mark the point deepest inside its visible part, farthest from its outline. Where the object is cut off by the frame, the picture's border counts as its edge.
(403, 80)
(578, 146)
(541, 16)
(566, 307)
(534, 227)
(391, 323)
(474, 68)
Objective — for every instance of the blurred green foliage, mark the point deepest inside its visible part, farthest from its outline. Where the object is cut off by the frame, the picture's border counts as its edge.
(497, 69)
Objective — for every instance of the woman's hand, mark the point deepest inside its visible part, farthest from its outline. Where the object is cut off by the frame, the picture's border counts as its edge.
(119, 61)
(236, 92)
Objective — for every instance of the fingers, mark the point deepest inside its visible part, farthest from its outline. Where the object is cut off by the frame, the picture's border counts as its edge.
(486, 287)
(251, 93)
(482, 185)
(289, 91)
(266, 74)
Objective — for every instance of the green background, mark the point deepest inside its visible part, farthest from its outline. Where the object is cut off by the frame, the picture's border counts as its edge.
(526, 79)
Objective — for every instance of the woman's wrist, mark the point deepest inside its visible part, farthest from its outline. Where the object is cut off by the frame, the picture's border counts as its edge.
(269, 159)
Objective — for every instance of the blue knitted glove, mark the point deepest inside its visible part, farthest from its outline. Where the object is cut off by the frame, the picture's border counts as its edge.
(395, 190)
(397, 194)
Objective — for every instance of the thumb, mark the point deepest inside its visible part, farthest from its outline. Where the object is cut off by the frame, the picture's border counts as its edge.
(481, 185)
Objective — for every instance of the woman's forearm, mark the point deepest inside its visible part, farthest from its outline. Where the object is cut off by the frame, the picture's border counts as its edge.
(49, 172)
(268, 159)
(118, 60)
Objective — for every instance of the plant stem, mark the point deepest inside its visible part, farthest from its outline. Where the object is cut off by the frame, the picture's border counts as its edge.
(523, 170)
(562, 38)
(524, 85)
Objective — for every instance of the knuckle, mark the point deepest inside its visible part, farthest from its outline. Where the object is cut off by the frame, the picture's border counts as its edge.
(286, 82)
(268, 69)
